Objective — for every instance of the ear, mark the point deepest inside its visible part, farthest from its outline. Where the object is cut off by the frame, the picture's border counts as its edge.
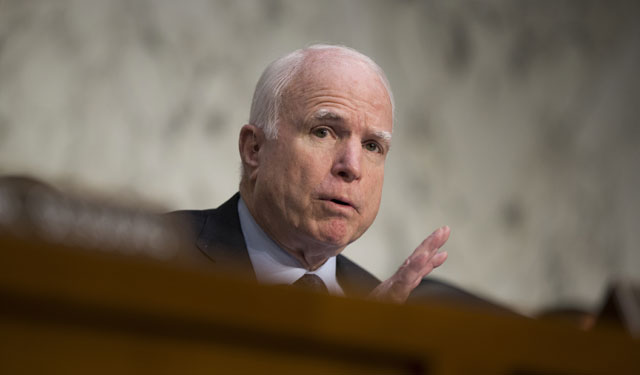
(250, 143)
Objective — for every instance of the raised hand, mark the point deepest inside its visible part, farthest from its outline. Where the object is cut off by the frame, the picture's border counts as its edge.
(422, 261)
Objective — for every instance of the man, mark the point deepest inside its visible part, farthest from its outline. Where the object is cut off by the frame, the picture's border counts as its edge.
(313, 159)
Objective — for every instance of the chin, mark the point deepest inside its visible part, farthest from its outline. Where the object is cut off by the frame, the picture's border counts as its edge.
(337, 242)
(337, 235)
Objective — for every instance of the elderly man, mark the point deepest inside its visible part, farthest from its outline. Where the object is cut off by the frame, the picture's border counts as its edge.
(313, 159)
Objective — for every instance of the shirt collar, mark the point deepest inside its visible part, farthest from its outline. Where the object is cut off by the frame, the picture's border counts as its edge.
(272, 264)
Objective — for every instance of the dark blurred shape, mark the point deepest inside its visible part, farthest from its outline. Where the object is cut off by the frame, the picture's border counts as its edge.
(77, 312)
(569, 315)
(14, 192)
(67, 308)
(32, 209)
(431, 291)
(621, 308)
(619, 311)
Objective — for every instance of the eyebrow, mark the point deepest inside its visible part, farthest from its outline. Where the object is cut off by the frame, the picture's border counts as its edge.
(325, 114)
(384, 135)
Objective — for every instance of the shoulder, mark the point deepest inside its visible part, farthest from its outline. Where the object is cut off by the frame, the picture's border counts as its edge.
(194, 220)
(197, 220)
(217, 234)
(433, 290)
(354, 279)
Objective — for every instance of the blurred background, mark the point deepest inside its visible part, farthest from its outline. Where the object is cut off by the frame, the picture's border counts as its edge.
(517, 122)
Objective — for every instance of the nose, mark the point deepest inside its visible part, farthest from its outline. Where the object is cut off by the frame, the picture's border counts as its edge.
(346, 164)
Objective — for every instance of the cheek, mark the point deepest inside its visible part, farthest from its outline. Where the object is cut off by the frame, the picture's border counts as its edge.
(375, 180)
(299, 173)
(309, 166)
(373, 193)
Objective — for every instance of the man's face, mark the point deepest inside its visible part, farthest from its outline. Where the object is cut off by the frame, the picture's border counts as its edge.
(318, 185)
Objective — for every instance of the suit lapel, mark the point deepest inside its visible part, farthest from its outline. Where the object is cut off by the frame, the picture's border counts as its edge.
(221, 240)
(354, 280)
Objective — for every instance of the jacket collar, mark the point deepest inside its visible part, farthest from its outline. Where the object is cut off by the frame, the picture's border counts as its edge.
(221, 239)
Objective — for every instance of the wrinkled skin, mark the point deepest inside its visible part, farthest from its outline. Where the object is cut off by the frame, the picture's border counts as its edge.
(317, 187)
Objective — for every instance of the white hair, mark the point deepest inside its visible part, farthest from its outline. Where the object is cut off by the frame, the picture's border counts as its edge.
(275, 79)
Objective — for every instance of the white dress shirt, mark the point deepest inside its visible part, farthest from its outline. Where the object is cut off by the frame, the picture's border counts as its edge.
(272, 264)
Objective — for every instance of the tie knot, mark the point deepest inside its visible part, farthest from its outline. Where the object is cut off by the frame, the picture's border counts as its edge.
(311, 282)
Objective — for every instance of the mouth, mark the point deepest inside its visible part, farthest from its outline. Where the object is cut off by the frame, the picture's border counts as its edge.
(340, 202)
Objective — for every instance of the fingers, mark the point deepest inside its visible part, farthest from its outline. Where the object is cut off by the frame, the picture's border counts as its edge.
(432, 243)
(420, 267)
(410, 274)
(419, 264)
(439, 258)
(424, 258)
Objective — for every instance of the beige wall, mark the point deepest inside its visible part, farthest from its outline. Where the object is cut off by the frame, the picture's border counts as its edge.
(517, 121)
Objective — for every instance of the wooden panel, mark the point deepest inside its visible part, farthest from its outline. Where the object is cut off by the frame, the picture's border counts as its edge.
(68, 310)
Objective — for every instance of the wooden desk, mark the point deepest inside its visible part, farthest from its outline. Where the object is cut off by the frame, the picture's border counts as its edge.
(76, 311)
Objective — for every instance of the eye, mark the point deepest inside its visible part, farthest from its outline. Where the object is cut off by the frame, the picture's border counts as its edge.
(320, 132)
(373, 147)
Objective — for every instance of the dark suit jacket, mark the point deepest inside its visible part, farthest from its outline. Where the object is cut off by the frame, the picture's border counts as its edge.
(218, 242)
(218, 236)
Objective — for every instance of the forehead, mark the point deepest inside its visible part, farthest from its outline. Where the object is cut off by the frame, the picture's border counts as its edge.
(343, 83)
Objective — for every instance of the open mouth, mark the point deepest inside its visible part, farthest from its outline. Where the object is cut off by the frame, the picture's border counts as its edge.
(340, 202)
